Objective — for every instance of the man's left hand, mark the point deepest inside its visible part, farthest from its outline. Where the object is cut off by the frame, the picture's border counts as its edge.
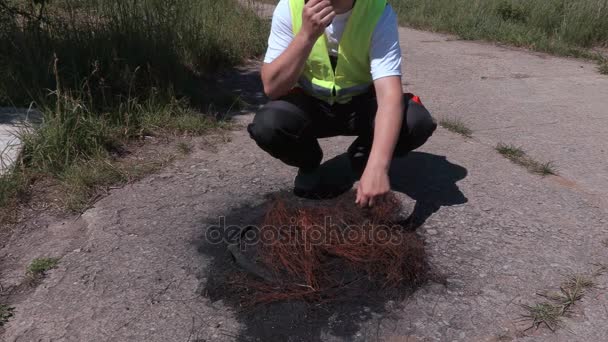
(374, 185)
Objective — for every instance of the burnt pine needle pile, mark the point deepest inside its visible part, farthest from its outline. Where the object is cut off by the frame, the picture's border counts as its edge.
(330, 252)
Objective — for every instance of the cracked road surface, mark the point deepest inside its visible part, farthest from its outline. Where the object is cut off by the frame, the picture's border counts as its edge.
(132, 269)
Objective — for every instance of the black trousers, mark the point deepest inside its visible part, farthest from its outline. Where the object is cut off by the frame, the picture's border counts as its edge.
(289, 127)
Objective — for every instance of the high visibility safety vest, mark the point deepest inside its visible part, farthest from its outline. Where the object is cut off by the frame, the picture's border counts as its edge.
(352, 75)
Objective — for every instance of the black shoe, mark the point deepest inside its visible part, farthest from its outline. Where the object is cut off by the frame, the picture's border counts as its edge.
(315, 185)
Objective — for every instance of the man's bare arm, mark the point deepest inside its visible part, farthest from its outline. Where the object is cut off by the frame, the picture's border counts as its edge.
(282, 74)
(389, 118)
(388, 121)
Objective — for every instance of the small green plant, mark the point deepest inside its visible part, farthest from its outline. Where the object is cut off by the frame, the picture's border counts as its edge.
(544, 313)
(39, 266)
(558, 303)
(83, 180)
(457, 126)
(184, 147)
(11, 185)
(519, 157)
(603, 66)
(510, 152)
(6, 312)
(544, 169)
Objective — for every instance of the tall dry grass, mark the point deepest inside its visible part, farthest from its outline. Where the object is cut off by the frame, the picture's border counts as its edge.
(104, 71)
(110, 49)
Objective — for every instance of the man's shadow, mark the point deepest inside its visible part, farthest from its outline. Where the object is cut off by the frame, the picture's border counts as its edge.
(427, 178)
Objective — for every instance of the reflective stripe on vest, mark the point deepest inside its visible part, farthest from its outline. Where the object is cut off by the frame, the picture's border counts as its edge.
(352, 75)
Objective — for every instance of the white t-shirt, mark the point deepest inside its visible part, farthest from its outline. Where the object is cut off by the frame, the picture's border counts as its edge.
(385, 52)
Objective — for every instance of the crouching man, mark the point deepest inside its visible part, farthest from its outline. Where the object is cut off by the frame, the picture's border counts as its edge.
(333, 67)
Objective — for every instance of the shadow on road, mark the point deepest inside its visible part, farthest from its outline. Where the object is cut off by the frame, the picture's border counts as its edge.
(430, 180)
(244, 83)
(427, 178)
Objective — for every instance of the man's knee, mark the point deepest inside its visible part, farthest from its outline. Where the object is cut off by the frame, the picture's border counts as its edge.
(276, 124)
(418, 127)
(419, 121)
(264, 127)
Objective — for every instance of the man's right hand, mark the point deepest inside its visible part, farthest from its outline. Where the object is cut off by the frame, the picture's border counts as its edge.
(317, 15)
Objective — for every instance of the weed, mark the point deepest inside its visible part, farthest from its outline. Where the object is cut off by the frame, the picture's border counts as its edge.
(39, 266)
(519, 157)
(603, 67)
(510, 152)
(6, 312)
(177, 118)
(457, 126)
(559, 303)
(82, 181)
(544, 313)
(184, 147)
(12, 184)
(544, 169)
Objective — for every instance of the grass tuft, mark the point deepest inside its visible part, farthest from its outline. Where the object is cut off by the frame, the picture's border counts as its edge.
(6, 312)
(519, 157)
(559, 303)
(544, 313)
(12, 185)
(39, 266)
(457, 126)
(82, 181)
(603, 67)
(184, 147)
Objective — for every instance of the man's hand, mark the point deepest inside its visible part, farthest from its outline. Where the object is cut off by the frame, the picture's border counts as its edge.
(317, 15)
(373, 186)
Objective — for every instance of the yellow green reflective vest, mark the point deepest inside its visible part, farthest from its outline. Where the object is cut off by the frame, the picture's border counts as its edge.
(352, 75)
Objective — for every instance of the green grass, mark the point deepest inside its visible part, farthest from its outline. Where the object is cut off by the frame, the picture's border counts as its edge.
(457, 126)
(603, 67)
(106, 72)
(12, 184)
(6, 312)
(519, 157)
(555, 26)
(544, 313)
(38, 267)
(110, 50)
(558, 304)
